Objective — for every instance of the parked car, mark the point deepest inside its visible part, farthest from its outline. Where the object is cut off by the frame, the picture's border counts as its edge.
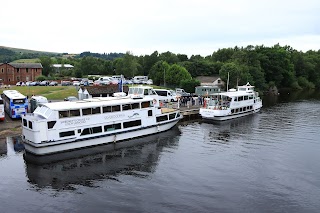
(71, 98)
(76, 83)
(53, 83)
(65, 83)
(20, 83)
(28, 83)
(44, 83)
(149, 82)
(35, 83)
(127, 81)
(97, 83)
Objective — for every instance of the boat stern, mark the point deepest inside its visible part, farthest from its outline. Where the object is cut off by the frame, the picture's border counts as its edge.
(34, 129)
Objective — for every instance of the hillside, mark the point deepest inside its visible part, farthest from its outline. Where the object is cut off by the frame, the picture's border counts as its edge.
(26, 51)
(10, 54)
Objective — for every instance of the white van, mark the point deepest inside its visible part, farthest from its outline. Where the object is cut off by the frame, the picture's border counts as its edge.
(118, 77)
(166, 95)
(139, 79)
(106, 80)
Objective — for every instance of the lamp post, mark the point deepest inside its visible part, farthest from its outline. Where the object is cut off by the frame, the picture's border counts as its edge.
(164, 77)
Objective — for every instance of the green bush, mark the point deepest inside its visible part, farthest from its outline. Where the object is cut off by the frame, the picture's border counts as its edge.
(41, 78)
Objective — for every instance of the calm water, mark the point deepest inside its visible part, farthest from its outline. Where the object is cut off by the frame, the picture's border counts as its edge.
(268, 162)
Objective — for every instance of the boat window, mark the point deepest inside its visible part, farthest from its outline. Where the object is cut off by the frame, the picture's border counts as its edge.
(86, 111)
(149, 112)
(126, 107)
(66, 134)
(232, 111)
(112, 127)
(96, 129)
(244, 109)
(96, 110)
(145, 104)
(74, 112)
(172, 116)
(116, 108)
(107, 109)
(30, 124)
(92, 130)
(24, 122)
(64, 114)
(235, 98)
(237, 110)
(250, 96)
(51, 124)
(162, 118)
(245, 97)
(240, 98)
(161, 92)
(135, 106)
(131, 123)
(85, 131)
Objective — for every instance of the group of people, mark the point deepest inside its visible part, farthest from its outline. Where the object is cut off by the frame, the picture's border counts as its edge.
(186, 101)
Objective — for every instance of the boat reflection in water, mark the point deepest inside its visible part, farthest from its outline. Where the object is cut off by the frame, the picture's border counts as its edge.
(136, 157)
(221, 131)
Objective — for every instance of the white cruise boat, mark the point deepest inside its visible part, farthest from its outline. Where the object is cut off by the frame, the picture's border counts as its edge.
(60, 126)
(231, 104)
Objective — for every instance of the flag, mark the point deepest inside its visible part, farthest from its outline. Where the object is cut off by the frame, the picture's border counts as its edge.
(120, 84)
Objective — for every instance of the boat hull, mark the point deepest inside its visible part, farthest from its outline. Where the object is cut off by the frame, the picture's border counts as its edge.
(56, 147)
(210, 116)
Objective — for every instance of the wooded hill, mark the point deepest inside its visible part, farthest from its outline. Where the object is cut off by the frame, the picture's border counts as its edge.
(262, 66)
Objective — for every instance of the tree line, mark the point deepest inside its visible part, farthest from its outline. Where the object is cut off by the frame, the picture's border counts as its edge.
(264, 67)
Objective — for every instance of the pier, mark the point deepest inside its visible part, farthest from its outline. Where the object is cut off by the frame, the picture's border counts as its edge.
(191, 112)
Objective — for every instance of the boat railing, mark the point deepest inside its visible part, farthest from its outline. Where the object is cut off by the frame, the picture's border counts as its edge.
(219, 105)
(170, 105)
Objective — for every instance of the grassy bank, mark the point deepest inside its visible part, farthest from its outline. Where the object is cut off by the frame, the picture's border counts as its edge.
(53, 92)
(50, 92)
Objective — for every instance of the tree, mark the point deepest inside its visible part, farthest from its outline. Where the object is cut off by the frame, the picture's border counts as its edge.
(46, 64)
(169, 57)
(127, 66)
(189, 84)
(158, 72)
(176, 73)
(238, 75)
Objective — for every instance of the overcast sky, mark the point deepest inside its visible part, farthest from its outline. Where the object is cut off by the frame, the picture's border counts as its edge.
(189, 27)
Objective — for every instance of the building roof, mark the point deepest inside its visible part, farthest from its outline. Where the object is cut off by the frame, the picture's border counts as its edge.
(109, 89)
(207, 79)
(25, 65)
(62, 65)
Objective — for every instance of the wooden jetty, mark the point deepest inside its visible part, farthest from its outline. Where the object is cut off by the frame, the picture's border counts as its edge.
(190, 113)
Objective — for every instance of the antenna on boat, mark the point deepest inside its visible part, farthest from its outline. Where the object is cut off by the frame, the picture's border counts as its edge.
(228, 82)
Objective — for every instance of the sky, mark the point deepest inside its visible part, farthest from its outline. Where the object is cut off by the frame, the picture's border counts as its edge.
(191, 27)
